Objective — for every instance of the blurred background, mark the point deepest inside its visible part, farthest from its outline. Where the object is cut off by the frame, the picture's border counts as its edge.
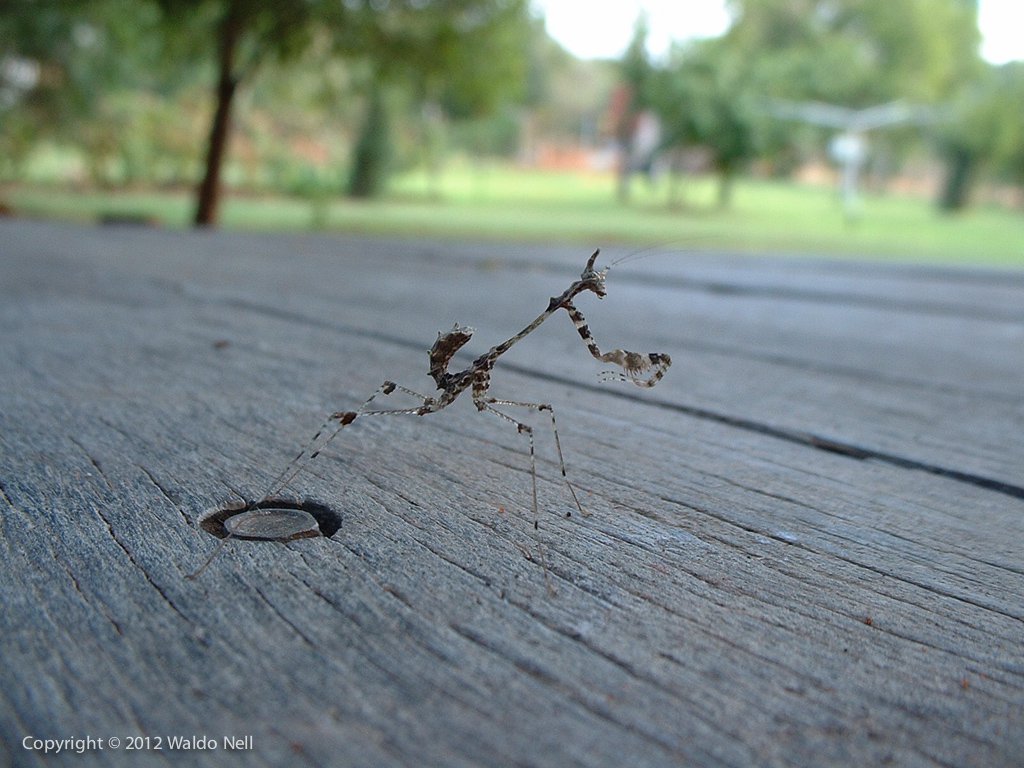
(849, 127)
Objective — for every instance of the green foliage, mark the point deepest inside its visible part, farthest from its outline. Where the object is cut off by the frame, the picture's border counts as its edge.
(467, 54)
(986, 129)
(494, 135)
(565, 96)
(128, 86)
(484, 68)
(59, 63)
(464, 55)
(994, 122)
(635, 65)
(858, 52)
(148, 121)
(706, 95)
(854, 53)
(264, 28)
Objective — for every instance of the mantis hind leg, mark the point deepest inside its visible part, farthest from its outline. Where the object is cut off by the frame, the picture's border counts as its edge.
(488, 405)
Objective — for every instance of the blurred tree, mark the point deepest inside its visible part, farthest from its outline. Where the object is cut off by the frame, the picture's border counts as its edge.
(244, 33)
(985, 129)
(707, 96)
(60, 61)
(857, 53)
(860, 53)
(564, 103)
(83, 68)
(466, 56)
(634, 96)
(1008, 142)
(854, 53)
(568, 96)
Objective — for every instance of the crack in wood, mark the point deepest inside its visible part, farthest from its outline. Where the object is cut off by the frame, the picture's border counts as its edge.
(819, 510)
(799, 437)
(845, 371)
(7, 500)
(811, 440)
(849, 298)
(76, 585)
(139, 568)
(284, 619)
(583, 697)
(856, 563)
(171, 498)
(92, 460)
(570, 634)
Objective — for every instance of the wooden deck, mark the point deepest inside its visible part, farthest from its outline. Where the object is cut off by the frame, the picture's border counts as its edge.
(805, 546)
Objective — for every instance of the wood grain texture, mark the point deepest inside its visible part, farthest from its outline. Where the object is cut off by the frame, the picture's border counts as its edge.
(804, 547)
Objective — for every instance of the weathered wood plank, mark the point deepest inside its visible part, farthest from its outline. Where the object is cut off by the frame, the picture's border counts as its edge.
(714, 607)
(955, 404)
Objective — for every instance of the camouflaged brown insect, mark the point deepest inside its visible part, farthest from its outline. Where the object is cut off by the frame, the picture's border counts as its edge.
(645, 369)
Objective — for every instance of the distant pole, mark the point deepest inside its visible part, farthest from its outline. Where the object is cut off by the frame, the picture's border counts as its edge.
(849, 149)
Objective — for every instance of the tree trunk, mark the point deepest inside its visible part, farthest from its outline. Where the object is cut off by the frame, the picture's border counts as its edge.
(959, 168)
(227, 84)
(726, 178)
(373, 149)
(676, 173)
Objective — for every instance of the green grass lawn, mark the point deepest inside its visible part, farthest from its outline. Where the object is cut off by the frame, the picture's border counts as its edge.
(501, 203)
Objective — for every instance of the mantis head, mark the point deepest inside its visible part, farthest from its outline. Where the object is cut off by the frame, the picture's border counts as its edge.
(593, 279)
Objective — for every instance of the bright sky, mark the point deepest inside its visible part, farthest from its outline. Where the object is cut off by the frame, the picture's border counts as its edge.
(605, 33)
